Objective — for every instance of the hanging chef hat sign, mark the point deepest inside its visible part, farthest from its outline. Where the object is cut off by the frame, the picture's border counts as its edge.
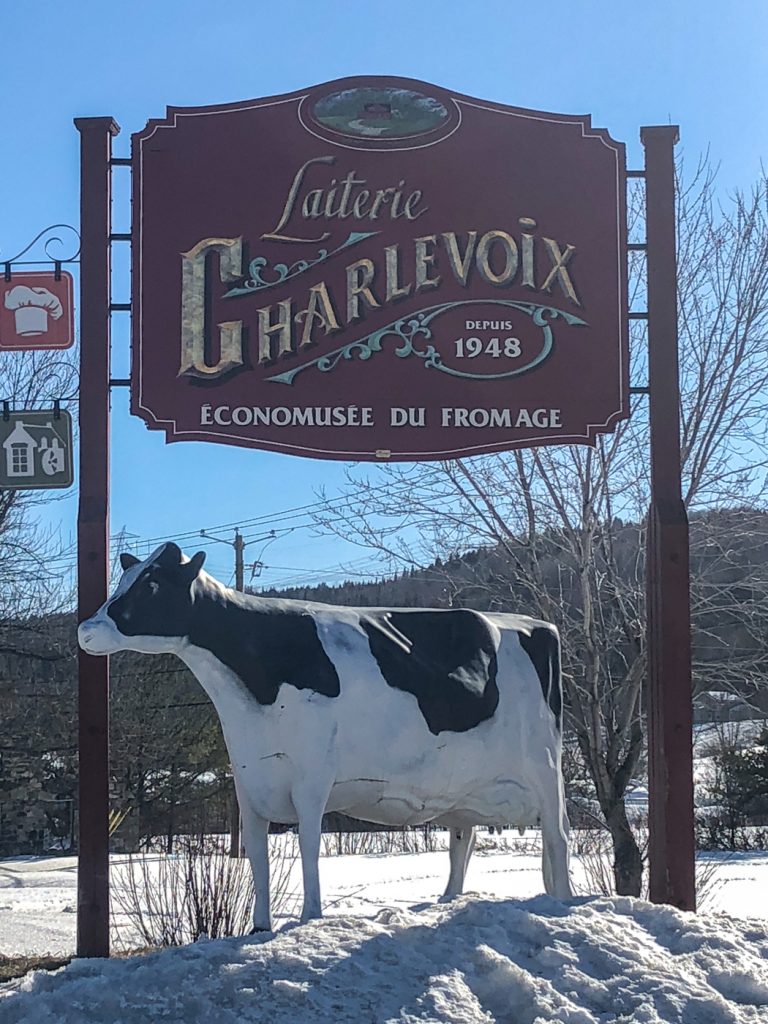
(36, 310)
(32, 309)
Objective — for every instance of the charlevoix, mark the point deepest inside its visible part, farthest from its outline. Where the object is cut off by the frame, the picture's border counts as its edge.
(286, 327)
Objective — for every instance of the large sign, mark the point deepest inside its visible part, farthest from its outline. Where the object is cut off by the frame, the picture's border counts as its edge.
(36, 310)
(378, 268)
(35, 449)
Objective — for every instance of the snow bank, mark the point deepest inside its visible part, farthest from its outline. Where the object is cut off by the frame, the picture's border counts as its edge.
(474, 961)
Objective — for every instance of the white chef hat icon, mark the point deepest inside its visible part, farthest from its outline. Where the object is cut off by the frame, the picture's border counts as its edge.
(32, 307)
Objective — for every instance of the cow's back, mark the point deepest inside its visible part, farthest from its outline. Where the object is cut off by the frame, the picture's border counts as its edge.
(390, 762)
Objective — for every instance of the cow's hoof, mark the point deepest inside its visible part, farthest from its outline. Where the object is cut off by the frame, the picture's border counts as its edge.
(259, 931)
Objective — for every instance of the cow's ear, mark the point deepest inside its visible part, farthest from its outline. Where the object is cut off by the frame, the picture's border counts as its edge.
(127, 561)
(191, 569)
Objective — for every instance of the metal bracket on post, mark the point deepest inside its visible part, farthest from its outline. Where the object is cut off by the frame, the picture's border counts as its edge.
(93, 531)
(670, 705)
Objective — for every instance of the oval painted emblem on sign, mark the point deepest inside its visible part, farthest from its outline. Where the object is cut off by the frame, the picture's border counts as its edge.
(376, 113)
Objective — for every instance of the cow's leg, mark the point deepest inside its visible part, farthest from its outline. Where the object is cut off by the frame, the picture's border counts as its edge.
(310, 808)
(256, 843)
(546, 865)
(554, 839)
(462, 843)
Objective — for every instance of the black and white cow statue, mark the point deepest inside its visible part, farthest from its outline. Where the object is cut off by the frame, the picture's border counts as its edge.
(393, 716)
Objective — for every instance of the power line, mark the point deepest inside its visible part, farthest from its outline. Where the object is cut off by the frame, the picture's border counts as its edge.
(67, 560)
(286, 515)
(359, 569)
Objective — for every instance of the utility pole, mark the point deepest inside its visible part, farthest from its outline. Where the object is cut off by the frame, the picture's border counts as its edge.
(239, 546)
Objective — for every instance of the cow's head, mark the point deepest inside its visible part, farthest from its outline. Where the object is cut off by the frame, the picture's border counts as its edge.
(151, 609)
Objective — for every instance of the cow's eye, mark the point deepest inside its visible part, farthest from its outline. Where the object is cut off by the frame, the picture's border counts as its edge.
(153, 586)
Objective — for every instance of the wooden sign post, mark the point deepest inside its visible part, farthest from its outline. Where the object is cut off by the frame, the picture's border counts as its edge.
(93, 531)
(670, 705)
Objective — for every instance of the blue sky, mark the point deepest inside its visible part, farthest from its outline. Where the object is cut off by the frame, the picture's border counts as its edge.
(700, 65)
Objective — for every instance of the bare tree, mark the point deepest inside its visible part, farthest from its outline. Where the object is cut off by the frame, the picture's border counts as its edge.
(37, 703)
(564, 527)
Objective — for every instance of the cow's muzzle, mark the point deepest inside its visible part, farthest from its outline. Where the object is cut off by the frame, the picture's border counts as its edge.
(96, 636)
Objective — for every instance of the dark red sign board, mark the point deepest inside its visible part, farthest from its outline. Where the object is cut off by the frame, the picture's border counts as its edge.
(378, 268)
(37, 311)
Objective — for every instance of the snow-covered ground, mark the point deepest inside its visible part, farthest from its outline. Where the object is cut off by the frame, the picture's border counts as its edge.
(476, 961)
(38, 895)
(387, 952)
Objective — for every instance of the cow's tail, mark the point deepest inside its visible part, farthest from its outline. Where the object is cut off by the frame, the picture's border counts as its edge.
(555, 695)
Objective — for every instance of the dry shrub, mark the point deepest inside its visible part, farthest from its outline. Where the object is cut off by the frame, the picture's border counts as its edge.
(523, 844)
(200, 891)
(424, 839)
(594, 849)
